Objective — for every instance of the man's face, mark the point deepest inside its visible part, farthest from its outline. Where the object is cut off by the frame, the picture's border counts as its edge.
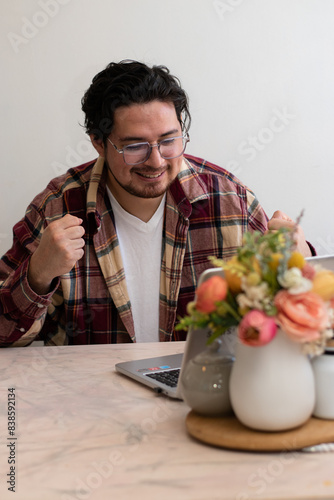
(151, 123)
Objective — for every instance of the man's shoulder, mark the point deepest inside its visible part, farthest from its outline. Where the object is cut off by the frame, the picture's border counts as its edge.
(206, 170)
(68, 185)
(74, 177)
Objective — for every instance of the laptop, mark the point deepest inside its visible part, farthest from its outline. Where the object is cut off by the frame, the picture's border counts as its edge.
(163, 373)
(325, 261)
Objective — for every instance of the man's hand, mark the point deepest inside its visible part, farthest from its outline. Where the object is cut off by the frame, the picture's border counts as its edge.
(61, 246)
(280, 219)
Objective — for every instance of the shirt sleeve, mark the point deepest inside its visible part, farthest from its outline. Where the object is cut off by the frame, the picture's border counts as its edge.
(22, 311)
(257, 218)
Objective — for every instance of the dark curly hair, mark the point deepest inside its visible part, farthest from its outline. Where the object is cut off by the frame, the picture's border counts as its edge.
(130, 82)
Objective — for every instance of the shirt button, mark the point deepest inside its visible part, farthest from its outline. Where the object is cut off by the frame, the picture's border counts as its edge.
(22, 330)
(40, 306)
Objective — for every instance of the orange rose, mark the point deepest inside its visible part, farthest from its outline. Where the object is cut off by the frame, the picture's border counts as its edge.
(209, 293)
(302, 316)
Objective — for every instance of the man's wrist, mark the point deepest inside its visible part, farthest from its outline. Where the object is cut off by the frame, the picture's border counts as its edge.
(37, 283)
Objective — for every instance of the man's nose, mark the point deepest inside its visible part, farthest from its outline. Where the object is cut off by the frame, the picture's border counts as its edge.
(155, 159)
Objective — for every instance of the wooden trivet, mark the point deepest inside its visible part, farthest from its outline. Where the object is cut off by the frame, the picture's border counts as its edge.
(228, 432)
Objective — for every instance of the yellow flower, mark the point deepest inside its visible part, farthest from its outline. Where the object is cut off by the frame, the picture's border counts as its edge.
(282, 240)
(323, 284)
(275, 260)
(233, 270)
(253, 279)
(256, 265)
(296, 260)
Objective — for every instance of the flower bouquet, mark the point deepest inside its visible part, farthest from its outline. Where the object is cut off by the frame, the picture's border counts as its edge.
(281, 307)
(265, 286)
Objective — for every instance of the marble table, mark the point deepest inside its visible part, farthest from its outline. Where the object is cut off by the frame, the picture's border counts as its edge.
(83, 431)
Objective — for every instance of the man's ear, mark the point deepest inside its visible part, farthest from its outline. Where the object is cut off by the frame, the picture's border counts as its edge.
(98, 145)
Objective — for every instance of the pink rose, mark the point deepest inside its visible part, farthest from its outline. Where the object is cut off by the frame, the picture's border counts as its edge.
(256, 328)
(301, 316)
(308, 271)
(209, 293)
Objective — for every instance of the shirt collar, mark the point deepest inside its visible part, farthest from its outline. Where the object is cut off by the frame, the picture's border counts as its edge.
(97, 185)
(187, 189)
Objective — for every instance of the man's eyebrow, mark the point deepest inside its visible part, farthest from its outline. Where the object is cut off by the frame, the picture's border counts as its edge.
(143, 139)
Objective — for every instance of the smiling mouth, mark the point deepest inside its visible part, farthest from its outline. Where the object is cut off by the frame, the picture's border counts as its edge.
(150, 176)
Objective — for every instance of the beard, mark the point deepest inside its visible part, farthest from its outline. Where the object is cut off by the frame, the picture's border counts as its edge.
(153, 190)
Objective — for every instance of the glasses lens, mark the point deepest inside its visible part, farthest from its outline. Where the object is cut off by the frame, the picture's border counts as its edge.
(136, 153)
(173, 147)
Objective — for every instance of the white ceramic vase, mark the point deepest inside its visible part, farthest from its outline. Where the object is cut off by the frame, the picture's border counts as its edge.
(272, 387)
(323, 368)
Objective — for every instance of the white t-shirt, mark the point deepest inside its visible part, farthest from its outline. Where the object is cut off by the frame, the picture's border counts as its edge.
(140, 244)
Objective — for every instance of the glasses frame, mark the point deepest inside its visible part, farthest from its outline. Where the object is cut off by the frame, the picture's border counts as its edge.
(184, 136)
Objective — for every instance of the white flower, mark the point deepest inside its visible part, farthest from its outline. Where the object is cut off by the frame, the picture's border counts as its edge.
(255, 297)
(243, 301)
(294, 281)
(317, 347)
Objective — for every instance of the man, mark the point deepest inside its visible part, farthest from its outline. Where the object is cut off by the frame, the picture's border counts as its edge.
(112, 250)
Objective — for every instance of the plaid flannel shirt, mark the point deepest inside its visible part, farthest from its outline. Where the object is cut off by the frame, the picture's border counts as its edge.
(207, 211)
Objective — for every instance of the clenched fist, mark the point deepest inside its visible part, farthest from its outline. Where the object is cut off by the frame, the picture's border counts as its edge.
(280, 219)
(61, 246)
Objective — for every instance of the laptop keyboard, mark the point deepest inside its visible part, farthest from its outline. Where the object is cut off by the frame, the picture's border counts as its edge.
(169, 377)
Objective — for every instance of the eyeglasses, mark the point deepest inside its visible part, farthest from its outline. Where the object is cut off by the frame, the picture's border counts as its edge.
(133, 154)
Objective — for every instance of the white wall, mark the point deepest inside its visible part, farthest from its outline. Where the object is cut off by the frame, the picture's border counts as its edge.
(244, 63)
